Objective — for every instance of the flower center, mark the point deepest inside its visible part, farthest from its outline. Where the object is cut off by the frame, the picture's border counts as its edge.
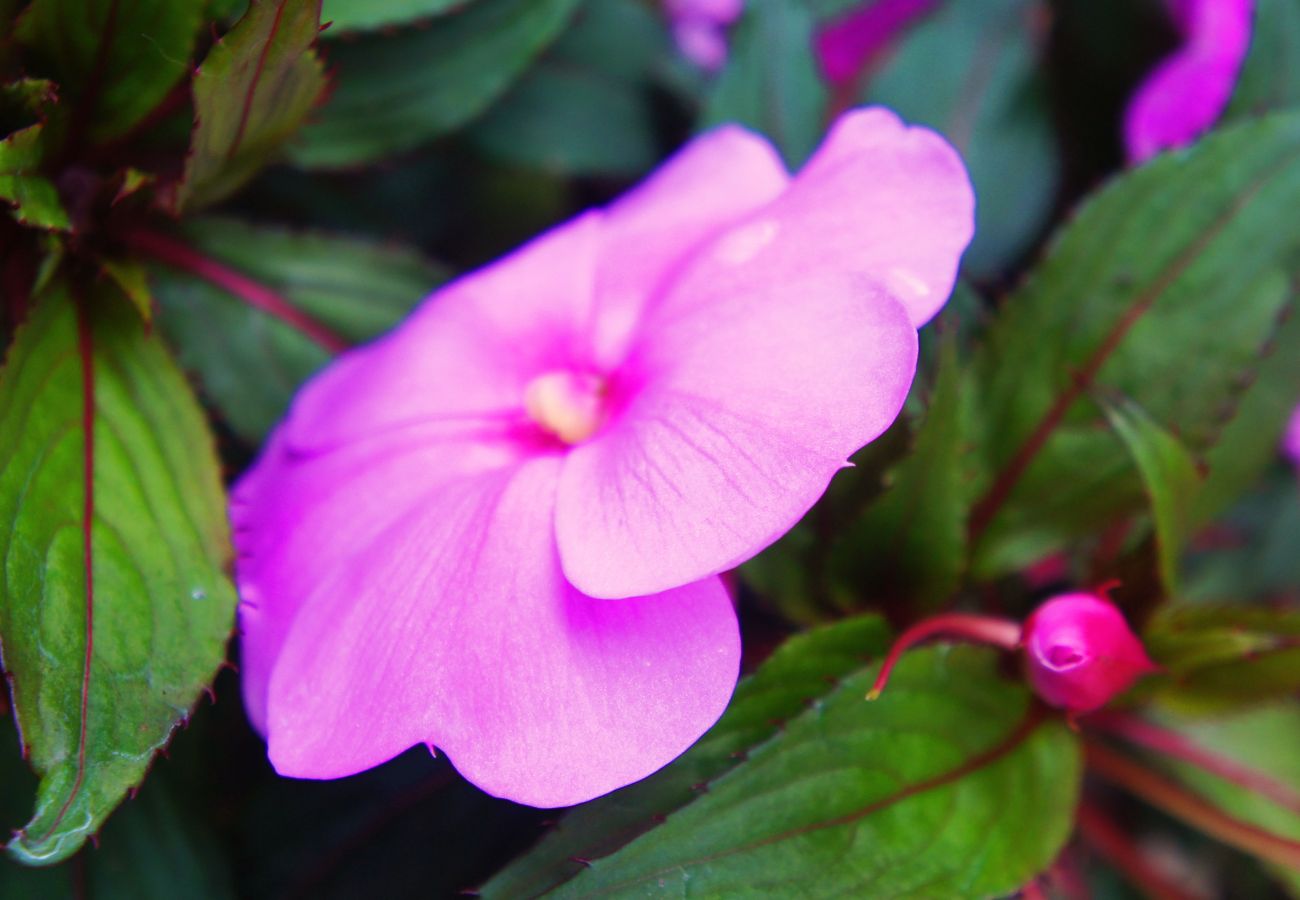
(569, 405)
(1060, 656)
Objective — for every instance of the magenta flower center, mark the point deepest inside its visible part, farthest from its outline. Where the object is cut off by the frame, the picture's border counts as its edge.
(569, 405)
(1063, 656)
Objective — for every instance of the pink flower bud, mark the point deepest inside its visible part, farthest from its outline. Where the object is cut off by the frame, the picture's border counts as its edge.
(1080, 652)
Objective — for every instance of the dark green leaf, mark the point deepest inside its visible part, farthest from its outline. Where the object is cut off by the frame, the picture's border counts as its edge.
(910, 546)
(955, 772)
(801, 670)
(972, 71)
(1225, 653)
(115, 606)
(250, 363)
(1250, 553)
(1187, 258)
(114, 61)
(251, 94)
(1171, 479)
(770, 82)
(361, 15)
(396, 93)
(1270, 76)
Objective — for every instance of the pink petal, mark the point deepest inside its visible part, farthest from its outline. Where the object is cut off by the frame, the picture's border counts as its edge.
(468, 351)
(457, 628)
(299, 520)
(707, 186)
(738, 407)
(878, 199)
(1291, 438)
(1188, 92)
(847, 44)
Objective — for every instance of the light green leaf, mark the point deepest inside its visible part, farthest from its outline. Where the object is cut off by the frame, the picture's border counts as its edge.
(250, 363)
(1171, 479)
(251, 94)
(397, 92)
(1189, 257)
(770, 82)
(972, 71)
(115, 606)
(113, 61)
(346, 16)
(33, 198)
(953, 770)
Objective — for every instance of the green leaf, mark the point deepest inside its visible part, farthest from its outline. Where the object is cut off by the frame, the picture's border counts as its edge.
(1186, 258)
(33, 198)
(132, 279)
(346, 16)
(1171, 479)
(1220, 654)
(1254, 558)
(1270, 75)
(770, 82)
(587, 108)
(954, 770)
(114, 61)
(249, 362)
(115, 606)
(251, 94)
(1265, 740)
(909, 549)
(971, 70)
(395, 93)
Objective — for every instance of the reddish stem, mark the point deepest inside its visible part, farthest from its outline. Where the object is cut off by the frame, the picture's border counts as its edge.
(1166, 794)
(1004, 633)
(1117, 848)
(1151, 736)
(175, 253)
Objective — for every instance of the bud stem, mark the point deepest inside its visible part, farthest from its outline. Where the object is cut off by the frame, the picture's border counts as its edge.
(1004, 633)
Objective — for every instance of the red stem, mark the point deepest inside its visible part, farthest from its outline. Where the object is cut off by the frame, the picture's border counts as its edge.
(1117, 848)
(1004, 633)
(175, 253)
(1166, 794)
(1151, 736)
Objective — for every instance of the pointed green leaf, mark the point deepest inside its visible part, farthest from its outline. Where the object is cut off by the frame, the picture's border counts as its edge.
(1171, 479)
(346, 16)
(251, 94)
(115, 606)
(1270, 75)
(394, 93)
(909, 549)
(1190, 257)
(249, 362)
(954, 770)
(132, 279)
(972, 71)
(770, 82)
(113, 60)
(33, 198)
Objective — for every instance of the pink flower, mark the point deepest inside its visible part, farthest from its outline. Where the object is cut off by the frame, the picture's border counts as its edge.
(846, 45)
(630, 404)
(1291, 438)
(1188, 91)
(1080, 652)
(700, 29)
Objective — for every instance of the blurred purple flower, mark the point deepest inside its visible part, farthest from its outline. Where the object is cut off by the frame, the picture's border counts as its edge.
(1080, 652)
(1291, 438)
(847, 44)
(632, 403)
(700, 28)
(1189, 90)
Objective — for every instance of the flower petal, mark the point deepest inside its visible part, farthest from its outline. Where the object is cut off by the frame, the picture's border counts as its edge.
(878, 199)
(741, 407)
(298, 520)
(457, 628)
(466, 353)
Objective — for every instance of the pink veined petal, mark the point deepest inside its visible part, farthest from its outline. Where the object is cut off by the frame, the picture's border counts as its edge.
(468, 351)
(878, 199)
(707, 186)
(457, 628)
(737, 409)
(299, 520)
